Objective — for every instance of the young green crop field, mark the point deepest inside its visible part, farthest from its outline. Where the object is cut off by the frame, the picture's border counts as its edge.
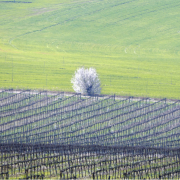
(133, 44)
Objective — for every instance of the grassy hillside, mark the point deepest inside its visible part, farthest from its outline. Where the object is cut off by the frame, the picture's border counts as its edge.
(133, 44)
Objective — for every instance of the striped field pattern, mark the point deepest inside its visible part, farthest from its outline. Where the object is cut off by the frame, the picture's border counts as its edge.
(56, 135)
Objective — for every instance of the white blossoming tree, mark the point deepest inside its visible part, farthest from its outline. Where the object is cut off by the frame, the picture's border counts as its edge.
(86, 81)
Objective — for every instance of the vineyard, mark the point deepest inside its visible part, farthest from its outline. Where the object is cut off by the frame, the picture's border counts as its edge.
(56, 135)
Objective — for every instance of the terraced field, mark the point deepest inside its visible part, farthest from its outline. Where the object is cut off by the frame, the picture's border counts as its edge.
(52, 135)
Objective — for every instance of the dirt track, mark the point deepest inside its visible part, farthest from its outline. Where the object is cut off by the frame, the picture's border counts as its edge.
(100, 96)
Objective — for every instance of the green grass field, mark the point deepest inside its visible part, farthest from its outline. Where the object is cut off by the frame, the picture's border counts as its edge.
(133, 44)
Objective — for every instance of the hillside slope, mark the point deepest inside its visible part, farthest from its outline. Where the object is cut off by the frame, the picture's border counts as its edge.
(133, 44)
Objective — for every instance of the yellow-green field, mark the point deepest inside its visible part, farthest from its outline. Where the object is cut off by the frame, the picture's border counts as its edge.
(134, 45)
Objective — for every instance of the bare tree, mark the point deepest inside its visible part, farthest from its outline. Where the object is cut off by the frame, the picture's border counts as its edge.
(86, 81)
